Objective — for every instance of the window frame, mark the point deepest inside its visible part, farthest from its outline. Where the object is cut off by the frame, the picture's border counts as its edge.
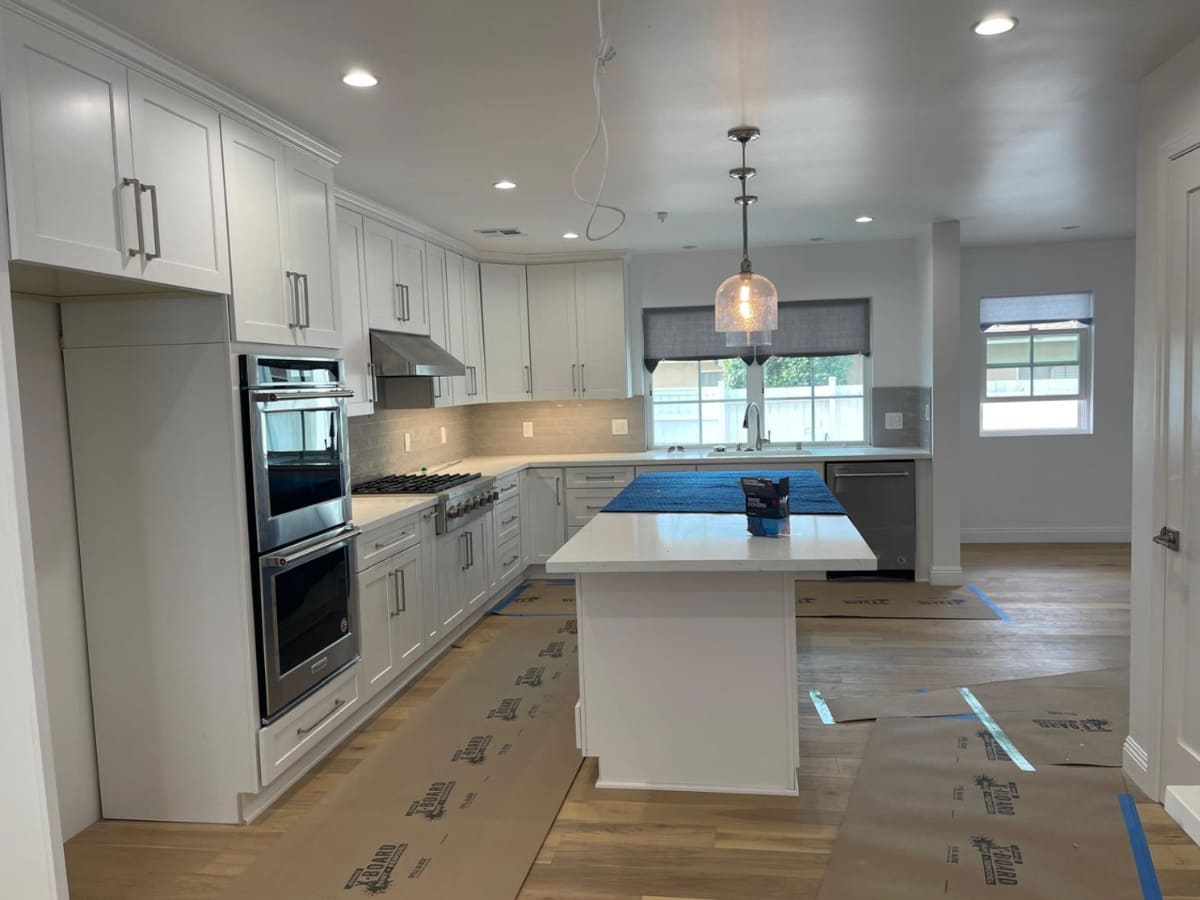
(1083, 396)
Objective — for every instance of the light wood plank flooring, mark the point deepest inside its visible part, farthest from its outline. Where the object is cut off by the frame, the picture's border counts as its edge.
(1070, 606)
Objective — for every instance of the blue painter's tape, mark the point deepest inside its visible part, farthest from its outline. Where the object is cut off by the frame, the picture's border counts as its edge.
(963, 716)
(517, 592)
(922, 690)
(989, 602)
(1141, 850)
(822, 707)
(997, 732)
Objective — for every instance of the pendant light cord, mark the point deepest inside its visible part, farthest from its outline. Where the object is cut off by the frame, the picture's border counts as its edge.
(604, 54)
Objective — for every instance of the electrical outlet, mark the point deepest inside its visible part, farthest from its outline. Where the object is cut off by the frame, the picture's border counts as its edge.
(443, 430)
(893, 421)
(620, 426)
(408, 442)
(527, 429)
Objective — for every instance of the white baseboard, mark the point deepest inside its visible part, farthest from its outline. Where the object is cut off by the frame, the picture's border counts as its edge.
(1080, 535)
(946, 575)
(1182, 803)
(769, 790)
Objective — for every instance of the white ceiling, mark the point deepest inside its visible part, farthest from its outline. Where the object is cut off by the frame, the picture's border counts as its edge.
(889, 107)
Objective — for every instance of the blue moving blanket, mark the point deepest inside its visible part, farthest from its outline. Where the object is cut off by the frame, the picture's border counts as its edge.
(720, 492)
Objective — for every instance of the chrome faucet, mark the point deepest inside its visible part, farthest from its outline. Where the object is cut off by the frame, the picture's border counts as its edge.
(753, 439)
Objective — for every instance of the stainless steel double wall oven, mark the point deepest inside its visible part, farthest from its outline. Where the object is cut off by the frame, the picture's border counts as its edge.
(302, 545)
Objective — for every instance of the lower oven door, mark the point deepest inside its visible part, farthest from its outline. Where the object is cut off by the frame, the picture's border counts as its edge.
(306, 616)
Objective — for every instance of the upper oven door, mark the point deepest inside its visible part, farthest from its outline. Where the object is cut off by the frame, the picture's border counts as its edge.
(300, 462)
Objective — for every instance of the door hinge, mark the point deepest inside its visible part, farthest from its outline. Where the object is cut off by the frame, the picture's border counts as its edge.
(1168, 537)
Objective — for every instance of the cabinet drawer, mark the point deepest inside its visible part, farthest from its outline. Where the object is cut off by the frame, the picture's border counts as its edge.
(508, 560)
(285, 741)
(583, 505)
(599, 477)
(378, 544)
(508, 486)
(508, 520)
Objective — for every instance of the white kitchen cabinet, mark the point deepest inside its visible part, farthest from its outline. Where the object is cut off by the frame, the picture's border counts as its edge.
(281, 226)
(453, 557)
(436, 290)
(479, 574)
(505, 306)
(545, 513)
(554, 357)
(356, 348)
(108, 170)
(376, 600)
(396, 292)
(407, 633)
(473, 355)
(600, 330)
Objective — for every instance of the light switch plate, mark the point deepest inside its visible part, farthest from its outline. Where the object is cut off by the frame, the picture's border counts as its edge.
(443, 431)
(408, 442)
(527, 429)
(893, 421)
(620, 426)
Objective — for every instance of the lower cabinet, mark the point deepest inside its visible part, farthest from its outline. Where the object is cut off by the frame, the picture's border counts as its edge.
(463, 581)
(297, 731)
(391, 637)
(545, 519)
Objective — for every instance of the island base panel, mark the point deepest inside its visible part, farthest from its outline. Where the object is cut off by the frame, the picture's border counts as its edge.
(688, 681)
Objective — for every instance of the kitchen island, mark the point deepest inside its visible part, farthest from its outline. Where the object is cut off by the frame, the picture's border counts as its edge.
(687, 644)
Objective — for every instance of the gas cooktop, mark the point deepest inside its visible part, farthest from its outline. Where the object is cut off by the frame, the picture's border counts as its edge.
(413, 484)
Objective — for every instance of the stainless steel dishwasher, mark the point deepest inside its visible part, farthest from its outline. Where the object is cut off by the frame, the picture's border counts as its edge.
(881, 500)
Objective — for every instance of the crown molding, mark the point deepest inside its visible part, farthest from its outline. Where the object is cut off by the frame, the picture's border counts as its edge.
(135, 54)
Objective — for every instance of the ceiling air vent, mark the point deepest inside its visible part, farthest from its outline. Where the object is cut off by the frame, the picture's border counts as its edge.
(511, 231)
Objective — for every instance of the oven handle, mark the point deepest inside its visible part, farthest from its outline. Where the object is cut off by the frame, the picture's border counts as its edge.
(263, 396)
(284, 561)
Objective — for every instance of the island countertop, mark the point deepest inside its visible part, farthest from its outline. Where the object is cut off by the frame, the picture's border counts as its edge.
(708, 542)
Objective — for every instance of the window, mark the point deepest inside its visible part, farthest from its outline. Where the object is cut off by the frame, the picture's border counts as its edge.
(1036, 375)
(698, 402)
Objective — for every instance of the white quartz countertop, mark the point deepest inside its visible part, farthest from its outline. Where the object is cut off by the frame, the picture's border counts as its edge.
(705, 542)
(375, 510)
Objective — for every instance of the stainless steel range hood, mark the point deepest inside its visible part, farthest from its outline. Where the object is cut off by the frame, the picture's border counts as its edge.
(409, 370)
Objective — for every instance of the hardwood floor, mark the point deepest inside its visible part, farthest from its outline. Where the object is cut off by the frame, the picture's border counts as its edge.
(1070, 610)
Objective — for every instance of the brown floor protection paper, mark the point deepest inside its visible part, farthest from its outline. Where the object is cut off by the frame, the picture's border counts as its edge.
(888, 600)
(457, 801)
(540, 597)
(935, 812)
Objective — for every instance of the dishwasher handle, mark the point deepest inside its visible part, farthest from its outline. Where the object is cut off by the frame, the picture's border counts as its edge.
(837, 475)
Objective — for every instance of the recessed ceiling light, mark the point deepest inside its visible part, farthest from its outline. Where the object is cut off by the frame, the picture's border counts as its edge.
(360, 78)
(994, 25)
(863, 220)
(504, 185)
(570, 235)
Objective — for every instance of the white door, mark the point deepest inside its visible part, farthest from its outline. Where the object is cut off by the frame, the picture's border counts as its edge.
(436, 293)
(600, 327)
(311, 227)
(1181, 664)
(356, 351)
(410, 277)
(376, 601)
(456, 326)
(553, 354)
(546, 527)
(408, 639)
(473, 333)
(67, 152)
(177, 160)
(265, 305)
(506, 333)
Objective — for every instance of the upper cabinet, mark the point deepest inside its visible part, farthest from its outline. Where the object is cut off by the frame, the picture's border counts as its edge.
(356, 351)
(577, 333)
(281, 227)
(397, 299)
(108, 170)
(472, 356)
(506, 332)
(436, 291)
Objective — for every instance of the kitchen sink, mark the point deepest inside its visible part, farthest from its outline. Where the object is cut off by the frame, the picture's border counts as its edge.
(751, 454)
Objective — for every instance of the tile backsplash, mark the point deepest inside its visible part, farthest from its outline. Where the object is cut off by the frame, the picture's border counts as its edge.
(493, 429)
(910, 403)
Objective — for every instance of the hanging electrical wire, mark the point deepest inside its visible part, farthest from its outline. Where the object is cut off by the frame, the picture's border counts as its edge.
(604, 55)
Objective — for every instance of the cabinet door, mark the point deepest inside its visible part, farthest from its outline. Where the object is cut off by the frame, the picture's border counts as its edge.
(356, 351)
(436, 289)
(456, 326)
(383, 295)
(600, 329)
(546, 526)
(256, 183)
(505, 333)
(408, 638)
(376, 601)
(473, 333)
(410, 276)
(66, 151)
(433, 548)
(311, 227)
(177, 159)
(451, 590)
(477, 580)
(553, 353)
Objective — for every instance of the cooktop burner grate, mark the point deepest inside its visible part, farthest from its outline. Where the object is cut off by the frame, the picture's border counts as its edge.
(413, 484)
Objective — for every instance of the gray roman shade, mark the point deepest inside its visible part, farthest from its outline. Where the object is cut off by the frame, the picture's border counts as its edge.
(1039, 309)
(806, 328)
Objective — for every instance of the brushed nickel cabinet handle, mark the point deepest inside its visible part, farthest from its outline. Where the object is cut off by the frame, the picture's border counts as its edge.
(337, 704)
(137, 216)
(153, 191)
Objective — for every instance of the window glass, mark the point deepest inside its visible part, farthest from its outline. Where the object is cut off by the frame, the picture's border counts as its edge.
(698, 402)
(815, 399)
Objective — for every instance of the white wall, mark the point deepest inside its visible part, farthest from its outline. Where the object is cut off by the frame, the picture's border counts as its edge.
(1052, 487)
(885, 271)
(1168, 122)
(56, 560)
(943, 306)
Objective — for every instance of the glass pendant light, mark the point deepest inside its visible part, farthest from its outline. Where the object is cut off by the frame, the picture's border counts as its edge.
(747, 305)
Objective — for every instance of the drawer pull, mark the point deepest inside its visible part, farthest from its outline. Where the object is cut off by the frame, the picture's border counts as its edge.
(509, 562)
(596, 508)
(508, 521)
(511, 487)
(337, 704)
(379, 545)
(599, 477)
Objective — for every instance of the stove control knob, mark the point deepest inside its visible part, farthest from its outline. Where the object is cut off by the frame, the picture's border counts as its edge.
(494, 496)
(474, 503)
(454, 512)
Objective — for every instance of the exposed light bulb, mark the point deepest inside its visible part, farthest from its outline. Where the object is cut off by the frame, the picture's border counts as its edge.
(744, 293)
